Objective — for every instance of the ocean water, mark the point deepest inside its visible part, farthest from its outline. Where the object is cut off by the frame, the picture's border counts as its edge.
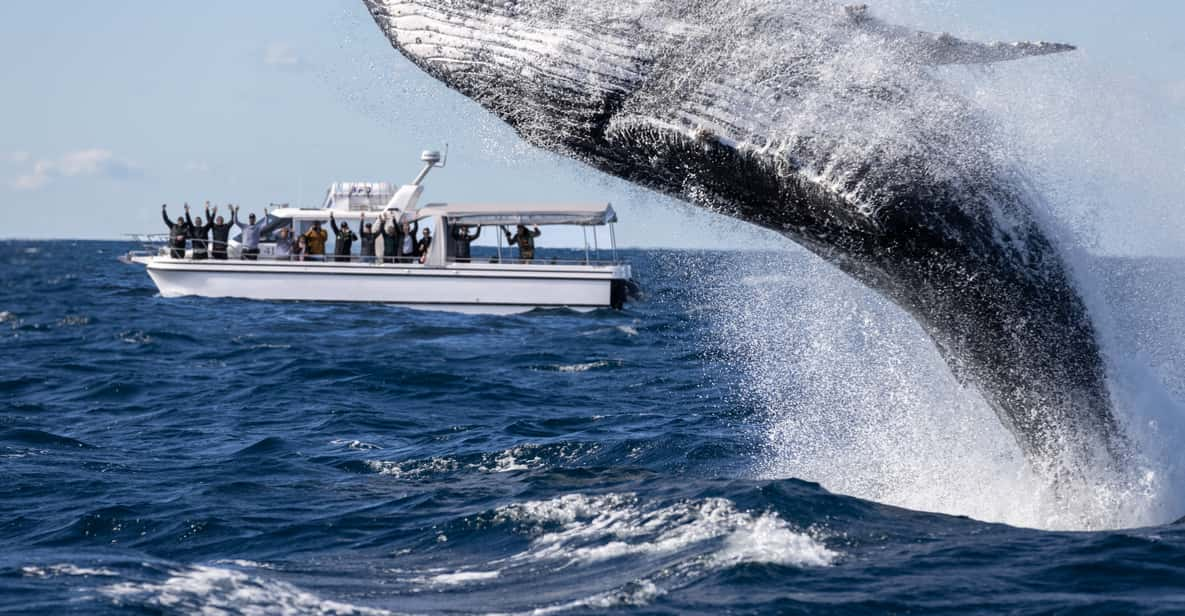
(751, 437)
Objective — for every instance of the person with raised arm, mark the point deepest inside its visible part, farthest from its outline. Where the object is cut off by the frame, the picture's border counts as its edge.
(423, 246)
(525, 239)
(178, 232)
(199, 235)
(283, 250)
(343, 239)
(462, 240)
(389, 230)
(407, 242)
(251, 231)
(368, 235)
(221, 231)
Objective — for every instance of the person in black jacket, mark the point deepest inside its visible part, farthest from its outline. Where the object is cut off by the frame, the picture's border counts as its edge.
(345, 238)
(461, 241)
(221, 231)
(368, 235)
(389, 229)
(178, 232)
(199, 235)
(423, 246)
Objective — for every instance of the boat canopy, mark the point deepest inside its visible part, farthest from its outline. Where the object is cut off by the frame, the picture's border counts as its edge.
(520, 214)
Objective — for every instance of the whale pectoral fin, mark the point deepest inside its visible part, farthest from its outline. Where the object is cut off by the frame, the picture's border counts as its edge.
(940, 49)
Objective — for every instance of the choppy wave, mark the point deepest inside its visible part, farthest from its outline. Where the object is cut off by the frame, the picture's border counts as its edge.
(592, 529)
(211, 590)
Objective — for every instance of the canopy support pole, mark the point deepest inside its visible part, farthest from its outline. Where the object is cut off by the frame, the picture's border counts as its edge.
(613, 241)
(584, 230)
(499, 245)
(596, 246)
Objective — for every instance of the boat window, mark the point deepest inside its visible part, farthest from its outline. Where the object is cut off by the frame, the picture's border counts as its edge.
(272, 229)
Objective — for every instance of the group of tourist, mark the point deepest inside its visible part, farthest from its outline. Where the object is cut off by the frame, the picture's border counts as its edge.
(399, 243)
(199, 235)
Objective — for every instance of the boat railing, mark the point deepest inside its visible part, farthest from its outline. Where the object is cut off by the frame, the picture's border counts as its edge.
(158, 244)
(539, 260)
(165, 252)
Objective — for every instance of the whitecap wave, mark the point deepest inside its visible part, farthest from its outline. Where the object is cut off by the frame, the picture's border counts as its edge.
(244, 564)
(457, 578)
(354, 444)
(628, 330)
(414, 469)
(66, 569)
(585, 367)
(212, 590)
(634, 594)
(598, 528)
(520, 458)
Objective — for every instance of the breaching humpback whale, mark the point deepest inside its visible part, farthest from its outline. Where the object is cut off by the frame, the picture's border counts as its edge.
(826, 124)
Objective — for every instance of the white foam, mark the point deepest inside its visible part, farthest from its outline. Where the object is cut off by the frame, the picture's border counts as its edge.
(508, 461)
(585, 367)
(519, 458)
(136, 337)
(628, 330)
(6, 316)
(768, 539)
(636, 594)
(462, 577)
(414, 469)
(354, 444)
(212, 590)
(603, 527)
(245, 564)
(66, 569)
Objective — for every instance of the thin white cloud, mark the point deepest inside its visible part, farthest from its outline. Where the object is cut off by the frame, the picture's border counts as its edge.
(281, 55)
(16, 158)
(94, 162)
(197, 166)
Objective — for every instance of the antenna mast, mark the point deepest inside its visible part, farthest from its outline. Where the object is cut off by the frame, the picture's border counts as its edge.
(432, 159)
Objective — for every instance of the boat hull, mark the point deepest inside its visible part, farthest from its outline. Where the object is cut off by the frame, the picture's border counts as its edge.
(469, 287)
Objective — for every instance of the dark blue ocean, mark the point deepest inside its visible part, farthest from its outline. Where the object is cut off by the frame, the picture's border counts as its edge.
(207, 456)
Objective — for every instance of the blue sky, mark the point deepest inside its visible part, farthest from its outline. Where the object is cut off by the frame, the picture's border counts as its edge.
(112, 108)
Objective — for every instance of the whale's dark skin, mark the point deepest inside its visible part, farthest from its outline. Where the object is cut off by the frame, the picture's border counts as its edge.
(762, 111)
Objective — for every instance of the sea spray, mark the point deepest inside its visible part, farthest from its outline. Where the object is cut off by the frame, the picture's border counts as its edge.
(857, 400)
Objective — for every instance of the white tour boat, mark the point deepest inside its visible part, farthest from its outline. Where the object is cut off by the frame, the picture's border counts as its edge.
(493, 283)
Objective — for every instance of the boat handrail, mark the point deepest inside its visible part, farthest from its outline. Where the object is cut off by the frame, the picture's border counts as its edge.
(157, 244)
(330, 259)
(493, 260)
